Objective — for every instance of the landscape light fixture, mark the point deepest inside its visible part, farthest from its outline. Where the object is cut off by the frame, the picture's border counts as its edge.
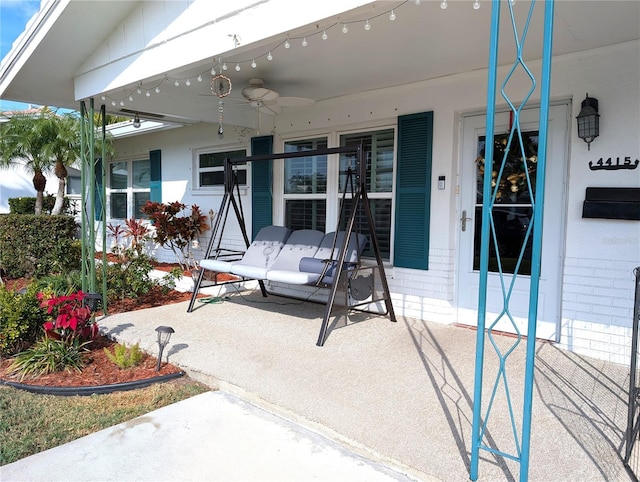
(164, 335)
(588, 121)
(136, 121)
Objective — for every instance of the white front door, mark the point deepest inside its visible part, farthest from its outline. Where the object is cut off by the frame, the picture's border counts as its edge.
(512, 214)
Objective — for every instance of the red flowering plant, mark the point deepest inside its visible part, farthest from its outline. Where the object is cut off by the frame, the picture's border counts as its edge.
(71, 319)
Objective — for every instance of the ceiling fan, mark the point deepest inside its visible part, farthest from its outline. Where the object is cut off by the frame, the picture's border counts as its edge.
(269, 101)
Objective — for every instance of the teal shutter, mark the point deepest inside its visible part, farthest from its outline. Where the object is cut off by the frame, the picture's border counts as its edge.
(155, 184)
(261, 195)
(99, 202)
(413, 191)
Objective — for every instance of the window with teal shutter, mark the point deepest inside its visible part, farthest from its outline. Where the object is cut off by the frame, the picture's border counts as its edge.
(261, 174)
(413, 191)
(155, 184)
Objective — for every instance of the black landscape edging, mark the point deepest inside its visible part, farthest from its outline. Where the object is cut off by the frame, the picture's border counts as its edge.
(91, 390)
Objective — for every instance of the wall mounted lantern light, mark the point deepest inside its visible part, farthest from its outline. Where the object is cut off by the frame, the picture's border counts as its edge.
(588, 121)
(136, 121)
(164, 335)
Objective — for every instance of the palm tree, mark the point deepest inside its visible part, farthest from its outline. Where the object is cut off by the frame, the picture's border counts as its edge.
(62, 147)
(22, 142)
(43, 143)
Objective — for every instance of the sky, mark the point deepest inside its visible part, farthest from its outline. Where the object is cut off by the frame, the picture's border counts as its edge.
(14, 15)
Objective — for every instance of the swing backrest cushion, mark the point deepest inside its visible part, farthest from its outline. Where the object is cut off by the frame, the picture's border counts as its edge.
(262, 252)
(302, 243)
(316, 264)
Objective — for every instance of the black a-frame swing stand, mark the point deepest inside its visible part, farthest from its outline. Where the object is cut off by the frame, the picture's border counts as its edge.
(346, 278)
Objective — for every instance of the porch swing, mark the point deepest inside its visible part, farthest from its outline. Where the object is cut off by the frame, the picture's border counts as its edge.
(305, 257)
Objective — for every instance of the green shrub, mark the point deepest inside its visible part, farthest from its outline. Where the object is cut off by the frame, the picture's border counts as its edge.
(130, 278)
(49, 355)
(125, 357)
(60, 284)
(34, 246)
(21, 319)
(27, 205)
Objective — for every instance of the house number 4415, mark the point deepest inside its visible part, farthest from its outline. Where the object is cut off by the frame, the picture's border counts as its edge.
(613, 163)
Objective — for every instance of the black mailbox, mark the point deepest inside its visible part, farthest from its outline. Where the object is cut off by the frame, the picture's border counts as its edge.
(612, 203)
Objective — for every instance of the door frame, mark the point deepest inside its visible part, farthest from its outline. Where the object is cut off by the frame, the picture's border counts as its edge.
(562, 206)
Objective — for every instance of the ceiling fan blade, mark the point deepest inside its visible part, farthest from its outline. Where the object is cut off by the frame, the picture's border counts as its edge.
(295, 102)
(270, 109)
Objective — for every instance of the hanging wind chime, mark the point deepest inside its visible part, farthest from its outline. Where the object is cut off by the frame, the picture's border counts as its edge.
(220, 87)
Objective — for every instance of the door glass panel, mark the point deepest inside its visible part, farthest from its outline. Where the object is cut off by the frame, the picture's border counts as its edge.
(514, 189)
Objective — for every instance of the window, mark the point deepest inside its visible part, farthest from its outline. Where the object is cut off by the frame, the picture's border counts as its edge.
(306, 202)
(378, 148)
(211, 168)
(305, 186)
(129, 188)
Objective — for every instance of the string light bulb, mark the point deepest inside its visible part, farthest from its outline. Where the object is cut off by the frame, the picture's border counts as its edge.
(188, 82)
(269, 56)
(476, 5)
(238, 67)
(324, 35)
(253, 63)
(199, 78)
(443, 4)
(304, 42)
(122, 103)
(224, 66)
(418, 2)
(158, 90)
(392, 16)
(139, 90)
(367, 26)
(345, 29)
(103, 97)
(130, 98)
(286, 43)
(113, 103)
(147, 93)
(176, 83)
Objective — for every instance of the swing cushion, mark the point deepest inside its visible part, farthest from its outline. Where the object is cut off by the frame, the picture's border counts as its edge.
(308, 269)
(262, 253)
(302, 243)
(263, 250)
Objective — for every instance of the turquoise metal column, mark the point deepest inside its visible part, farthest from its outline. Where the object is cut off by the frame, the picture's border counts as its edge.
(545, 94)
(479, 427)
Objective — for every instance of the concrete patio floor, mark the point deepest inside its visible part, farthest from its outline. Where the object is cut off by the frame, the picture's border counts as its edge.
(397, 393)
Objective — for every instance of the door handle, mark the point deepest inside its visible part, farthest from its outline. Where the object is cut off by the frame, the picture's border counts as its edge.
(464, 219)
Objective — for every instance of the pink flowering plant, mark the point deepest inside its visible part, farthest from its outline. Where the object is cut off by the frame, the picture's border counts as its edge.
(70, 320)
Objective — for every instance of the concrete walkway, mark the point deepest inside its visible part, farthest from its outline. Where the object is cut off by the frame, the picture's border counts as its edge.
(400, 394)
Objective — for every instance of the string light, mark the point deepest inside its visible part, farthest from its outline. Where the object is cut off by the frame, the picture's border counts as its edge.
(222, 66)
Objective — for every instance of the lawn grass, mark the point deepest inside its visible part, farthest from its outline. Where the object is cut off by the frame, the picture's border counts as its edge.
(31, 423)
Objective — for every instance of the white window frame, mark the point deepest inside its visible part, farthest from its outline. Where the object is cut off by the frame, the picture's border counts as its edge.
(129, 190)
(197, 188)
(334, 191)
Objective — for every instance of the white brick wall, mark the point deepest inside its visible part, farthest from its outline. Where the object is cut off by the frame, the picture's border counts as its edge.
(597, 308)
